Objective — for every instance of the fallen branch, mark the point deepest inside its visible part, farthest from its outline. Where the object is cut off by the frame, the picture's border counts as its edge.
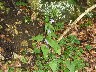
(75, 22)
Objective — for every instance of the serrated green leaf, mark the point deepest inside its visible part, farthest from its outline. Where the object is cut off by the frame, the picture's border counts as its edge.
(54, 44)
(37, 38)
(70, 65)
(45, 50)
(53, 65)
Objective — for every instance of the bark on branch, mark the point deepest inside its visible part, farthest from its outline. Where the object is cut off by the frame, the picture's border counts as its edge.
(75, 22)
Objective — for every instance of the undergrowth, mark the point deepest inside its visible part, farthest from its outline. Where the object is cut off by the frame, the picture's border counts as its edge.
(52, 55)
(57, 56)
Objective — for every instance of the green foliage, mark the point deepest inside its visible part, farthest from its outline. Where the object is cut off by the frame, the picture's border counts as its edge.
(45, 51)
(37, 38)
(58, 26)
(27, 19)
(46, 19)
(1, 27)
(53, 64)
(2, 6)
(36, 50)
(34, 4)
(72, 51)
(72, 2)
(21, 3)
(54, 44)
(72, 66)
(11, 69)
(73, 39)
(50, 30)
(23, 59)
(88, 47)
(69, 58)
(51, 55)
(89, 23)
(55, 12)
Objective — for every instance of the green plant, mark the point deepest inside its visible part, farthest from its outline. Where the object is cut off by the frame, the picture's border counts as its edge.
(34, 4)
(21, 3)
(59, 26)
(1, 27)
(23, 59)
(57, 56)
(27, 19)
(89, 23)
(11, 69)
(2, 6)
(88, 47)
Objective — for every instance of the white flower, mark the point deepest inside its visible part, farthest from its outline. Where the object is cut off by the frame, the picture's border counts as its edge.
(49, 31)
(51, 21)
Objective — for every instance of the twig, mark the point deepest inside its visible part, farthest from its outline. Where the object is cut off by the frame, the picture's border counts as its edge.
(75, 22)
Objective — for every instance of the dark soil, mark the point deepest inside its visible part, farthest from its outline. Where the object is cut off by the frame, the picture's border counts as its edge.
(14, 30)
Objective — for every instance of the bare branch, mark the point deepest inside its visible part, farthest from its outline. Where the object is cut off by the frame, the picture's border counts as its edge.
(77, 20)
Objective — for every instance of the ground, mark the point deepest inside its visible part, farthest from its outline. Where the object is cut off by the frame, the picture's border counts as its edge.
(16, 31)
(18, 25)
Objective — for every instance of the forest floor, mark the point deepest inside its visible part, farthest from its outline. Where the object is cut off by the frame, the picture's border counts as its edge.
(16, 30)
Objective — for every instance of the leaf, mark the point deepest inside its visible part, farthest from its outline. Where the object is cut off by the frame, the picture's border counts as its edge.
(48, 26)
(50, 30)
(45, 50)
(1, 27)
(19, 3)
(88, 47)
(40, 71)
(23, 59)
(46, 19)
(73, 39)
(53, 65)
(70, 65)
(71, 2)
(79, 63)
(37, 38)
(11, 69)
(36, 50)
(54, 45)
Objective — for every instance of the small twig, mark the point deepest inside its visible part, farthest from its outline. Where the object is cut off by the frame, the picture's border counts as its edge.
(75, 22)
